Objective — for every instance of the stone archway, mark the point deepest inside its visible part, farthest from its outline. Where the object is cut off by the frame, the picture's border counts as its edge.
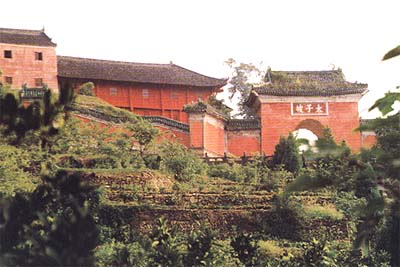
(312, 125)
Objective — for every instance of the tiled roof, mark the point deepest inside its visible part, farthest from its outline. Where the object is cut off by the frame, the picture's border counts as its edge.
(25, 37)
(308, 83)
(167, 122)
(201, 107)
(243, 124)
(84, 68)
(97, 114)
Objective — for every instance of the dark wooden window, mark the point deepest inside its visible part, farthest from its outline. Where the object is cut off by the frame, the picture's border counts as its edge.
(7, 54)
(8, 80)
(113, 91)
(145, 93)
(39, 56)
(38, 82)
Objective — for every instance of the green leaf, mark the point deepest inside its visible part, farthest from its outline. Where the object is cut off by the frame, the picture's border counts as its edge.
(392, 53)
(385, 103)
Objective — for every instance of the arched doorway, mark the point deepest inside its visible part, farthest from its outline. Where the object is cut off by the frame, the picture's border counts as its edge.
(309, 130)
(308, 135)
(312, 125)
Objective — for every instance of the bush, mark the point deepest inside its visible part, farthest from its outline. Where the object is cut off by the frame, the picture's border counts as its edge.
(225, 171)
(86, 89)
(14, 175)
(102, 162)
(52, 226)
(246, 249)
(199, 244)
(274, 179)
(179, 161)
(120, 254)
(287, 213)
(165, 245)
(287, 154)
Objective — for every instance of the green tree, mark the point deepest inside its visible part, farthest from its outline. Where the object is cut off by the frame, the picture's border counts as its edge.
(44, 116)
(165, 245)
(199, 244)
(246, 246)
(52, 226)
(219, 105)
(181, 162)
(144, 133)
(240, 84)
(86, 89)
(287, 154)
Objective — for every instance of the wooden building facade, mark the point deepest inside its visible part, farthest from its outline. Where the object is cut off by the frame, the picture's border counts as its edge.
(145, 89)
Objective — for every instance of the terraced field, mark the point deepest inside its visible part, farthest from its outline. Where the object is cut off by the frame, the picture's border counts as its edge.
(226, 206)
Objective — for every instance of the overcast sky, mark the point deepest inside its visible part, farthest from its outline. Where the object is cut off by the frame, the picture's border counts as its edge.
(201, 35)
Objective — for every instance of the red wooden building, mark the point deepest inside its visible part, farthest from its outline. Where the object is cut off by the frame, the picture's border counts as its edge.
(145, 89)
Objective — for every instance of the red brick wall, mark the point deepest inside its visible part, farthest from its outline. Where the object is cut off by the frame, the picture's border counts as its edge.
(166, 132)
(207, 134)
(247, 141)
(196, 126)
(277, 120)
(174, 135)
(161, 100)
(214, 136)
(23, 68)
(368, 139)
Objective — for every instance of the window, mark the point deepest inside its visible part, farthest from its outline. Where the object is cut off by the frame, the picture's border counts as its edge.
(174, 95)
(7, 54)
(39, 56)
(38, 82)
(8, 80)
(113, 91)
(145, 93)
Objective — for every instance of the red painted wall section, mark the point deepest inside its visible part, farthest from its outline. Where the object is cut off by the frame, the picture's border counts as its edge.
(247, 141)
(173, 135)
(196, 126)
(214, 135)
(166, 133)
(277, 120)
(148, 99)
(368, 139)
(24, 68)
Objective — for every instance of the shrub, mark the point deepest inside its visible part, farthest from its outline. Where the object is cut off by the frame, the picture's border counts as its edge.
(13, 177)
(321, 212)
(245, 247)
(274, 179)
(52, 226)
(120, 254)
(181, 162)
(224, 170)
(86, 89)
(102, 162)
(286, 153)
(199, 244)
(287, 213)
(165, 245)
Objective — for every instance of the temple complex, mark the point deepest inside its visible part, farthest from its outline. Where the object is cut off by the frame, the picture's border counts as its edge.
(174, 98)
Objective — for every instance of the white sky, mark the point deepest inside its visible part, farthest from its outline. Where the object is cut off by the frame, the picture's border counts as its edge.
(201, 35)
